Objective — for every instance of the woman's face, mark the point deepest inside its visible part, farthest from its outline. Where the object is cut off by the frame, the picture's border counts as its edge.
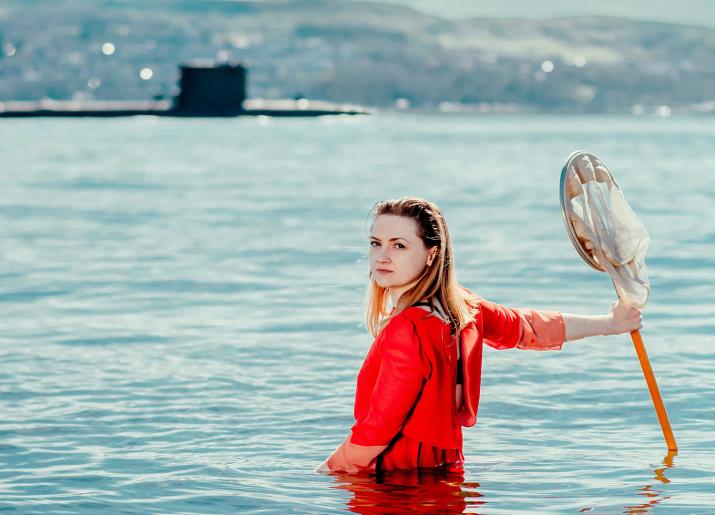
(397, 255)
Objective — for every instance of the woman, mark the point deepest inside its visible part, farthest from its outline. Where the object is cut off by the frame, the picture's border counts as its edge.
(421, 378)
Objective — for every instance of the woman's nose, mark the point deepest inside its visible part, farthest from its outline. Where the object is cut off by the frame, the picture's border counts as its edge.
(383, 256)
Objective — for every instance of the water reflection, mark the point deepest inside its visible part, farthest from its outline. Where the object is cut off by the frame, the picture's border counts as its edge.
(653, 495)
(439, 491)
(413, 491)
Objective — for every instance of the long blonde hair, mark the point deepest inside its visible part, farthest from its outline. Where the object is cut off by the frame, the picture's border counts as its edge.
(438, 281)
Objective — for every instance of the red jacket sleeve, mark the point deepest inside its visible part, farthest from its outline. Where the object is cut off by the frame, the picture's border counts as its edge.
(398, 384)
(506, 328)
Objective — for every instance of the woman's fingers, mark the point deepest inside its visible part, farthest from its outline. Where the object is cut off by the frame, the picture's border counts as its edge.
(635, 320)
(625, 317)
(323, 467)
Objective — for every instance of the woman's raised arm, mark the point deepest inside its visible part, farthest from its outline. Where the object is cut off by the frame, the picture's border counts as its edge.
(623, 318)
(530, 329)
(522, 328)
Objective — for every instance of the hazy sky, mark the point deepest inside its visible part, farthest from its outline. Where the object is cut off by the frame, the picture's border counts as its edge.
(696, 12)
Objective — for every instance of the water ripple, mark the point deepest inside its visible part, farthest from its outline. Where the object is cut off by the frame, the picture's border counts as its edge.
(183, 336)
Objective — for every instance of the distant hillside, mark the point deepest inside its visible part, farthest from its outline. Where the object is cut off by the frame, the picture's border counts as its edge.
(349, 51)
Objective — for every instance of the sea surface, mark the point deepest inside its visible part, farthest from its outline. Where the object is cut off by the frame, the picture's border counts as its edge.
(181, 313)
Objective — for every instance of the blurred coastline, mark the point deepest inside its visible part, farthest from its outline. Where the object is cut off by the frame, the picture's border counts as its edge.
(367, 53)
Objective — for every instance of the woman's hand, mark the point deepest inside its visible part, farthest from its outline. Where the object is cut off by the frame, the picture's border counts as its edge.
(337, 463)
(352, 458)
(624, 318)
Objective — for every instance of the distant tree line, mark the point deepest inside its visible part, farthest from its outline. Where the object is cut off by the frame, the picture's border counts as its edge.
(367, 53)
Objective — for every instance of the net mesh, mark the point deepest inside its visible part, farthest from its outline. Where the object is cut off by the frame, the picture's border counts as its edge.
(610, 234)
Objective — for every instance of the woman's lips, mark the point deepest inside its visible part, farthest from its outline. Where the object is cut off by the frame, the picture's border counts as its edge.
(383, 271)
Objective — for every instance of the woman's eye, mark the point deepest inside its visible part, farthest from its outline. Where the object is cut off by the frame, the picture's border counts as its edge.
(374, 243)
(399, 245)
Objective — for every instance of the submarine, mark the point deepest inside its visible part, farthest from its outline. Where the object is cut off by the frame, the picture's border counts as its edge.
(206, 89)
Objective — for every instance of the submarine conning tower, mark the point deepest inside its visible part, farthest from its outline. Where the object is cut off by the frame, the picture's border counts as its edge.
(206, 89)
(210, 89)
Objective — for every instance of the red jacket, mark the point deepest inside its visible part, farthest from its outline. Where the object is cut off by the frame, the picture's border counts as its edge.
(407, 382)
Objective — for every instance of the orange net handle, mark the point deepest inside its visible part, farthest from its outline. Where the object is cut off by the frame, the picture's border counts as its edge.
(654, 392)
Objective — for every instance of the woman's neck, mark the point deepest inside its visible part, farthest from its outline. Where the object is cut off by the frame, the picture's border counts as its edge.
(396, 293)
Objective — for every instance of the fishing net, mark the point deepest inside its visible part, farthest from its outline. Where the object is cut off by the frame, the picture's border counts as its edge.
(602, 226)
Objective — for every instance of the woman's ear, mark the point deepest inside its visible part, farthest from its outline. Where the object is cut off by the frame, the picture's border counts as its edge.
(431, 255)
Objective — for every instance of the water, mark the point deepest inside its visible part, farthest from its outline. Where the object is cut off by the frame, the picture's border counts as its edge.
(182, 305)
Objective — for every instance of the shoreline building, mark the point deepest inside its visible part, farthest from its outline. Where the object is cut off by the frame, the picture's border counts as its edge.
(206, 89)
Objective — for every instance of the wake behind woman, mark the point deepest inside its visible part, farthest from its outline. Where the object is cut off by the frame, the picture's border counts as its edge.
(420, 381)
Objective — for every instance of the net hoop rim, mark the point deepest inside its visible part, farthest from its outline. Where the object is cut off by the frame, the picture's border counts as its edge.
(566, 210)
